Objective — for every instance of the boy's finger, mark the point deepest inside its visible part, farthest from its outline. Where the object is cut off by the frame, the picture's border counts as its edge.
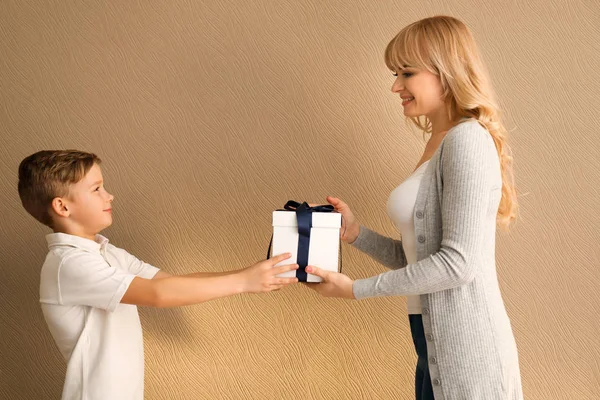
(286, 281)
(284, 268)
(280, 257)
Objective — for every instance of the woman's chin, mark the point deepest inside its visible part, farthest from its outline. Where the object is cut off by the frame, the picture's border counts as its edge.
(410, 113)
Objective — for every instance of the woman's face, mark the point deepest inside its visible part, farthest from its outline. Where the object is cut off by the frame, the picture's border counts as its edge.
(420, 91)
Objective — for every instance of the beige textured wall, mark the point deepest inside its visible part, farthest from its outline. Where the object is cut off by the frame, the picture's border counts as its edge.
(209, 115)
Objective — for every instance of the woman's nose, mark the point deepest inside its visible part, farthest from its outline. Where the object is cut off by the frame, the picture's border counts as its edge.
(397, 86)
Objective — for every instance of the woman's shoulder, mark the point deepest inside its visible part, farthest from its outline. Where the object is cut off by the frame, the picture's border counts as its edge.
(468, 133)
(468, 127)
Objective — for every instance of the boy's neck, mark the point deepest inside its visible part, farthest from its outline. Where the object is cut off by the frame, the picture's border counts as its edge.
(80, 234)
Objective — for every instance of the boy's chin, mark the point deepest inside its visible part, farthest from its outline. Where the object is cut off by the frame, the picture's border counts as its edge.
(106, 225)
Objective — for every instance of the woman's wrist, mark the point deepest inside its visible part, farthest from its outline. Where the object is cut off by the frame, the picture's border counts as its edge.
(355, 234)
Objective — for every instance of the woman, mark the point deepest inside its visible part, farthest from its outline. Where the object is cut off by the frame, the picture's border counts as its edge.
(446, 211)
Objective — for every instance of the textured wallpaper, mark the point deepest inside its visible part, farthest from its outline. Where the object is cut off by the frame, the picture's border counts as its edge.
(209, 115)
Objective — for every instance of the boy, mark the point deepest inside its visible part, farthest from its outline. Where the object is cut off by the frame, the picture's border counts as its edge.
(89, 289)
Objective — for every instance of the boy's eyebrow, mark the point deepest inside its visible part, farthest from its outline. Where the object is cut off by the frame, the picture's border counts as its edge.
(96, 183)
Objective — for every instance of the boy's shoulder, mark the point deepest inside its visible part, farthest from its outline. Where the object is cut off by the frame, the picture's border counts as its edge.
(63, 262)
(65, 245)
(71, 254)
(58, 256)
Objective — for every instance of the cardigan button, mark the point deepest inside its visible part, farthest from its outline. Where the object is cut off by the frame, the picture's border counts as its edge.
(433, 360)
(437, 382)
(425, 311)
(429, 337)
(421, 239)
(419, 214)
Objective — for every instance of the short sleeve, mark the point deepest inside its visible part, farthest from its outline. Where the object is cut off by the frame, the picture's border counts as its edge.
(132, 264)
(87, 279)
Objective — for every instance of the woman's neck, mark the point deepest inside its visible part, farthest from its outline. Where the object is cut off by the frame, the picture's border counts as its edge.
(440, 125)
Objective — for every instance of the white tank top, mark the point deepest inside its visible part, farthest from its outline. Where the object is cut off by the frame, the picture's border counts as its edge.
(400, 209)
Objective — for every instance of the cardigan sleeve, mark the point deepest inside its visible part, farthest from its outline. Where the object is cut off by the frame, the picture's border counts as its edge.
(386, 250)
(465, 155)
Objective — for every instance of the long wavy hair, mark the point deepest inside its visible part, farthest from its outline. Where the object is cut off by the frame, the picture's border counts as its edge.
(445, 47)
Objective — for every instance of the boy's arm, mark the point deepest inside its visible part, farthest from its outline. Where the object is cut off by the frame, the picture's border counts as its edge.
(173, 291)
(162, 274)
(144, 270)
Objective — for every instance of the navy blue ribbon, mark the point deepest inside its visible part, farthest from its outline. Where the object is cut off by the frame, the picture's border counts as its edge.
(304, 218)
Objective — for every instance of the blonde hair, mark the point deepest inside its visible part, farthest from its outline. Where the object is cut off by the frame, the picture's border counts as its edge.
(48, 174)
(445, 47)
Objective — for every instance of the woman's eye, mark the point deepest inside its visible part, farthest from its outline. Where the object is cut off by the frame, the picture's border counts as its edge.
(404, 74)
(98, 188)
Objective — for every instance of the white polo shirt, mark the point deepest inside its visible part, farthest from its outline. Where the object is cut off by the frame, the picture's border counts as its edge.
(81, 286)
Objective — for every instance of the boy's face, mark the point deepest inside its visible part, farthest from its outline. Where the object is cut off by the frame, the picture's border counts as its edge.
(89, 204)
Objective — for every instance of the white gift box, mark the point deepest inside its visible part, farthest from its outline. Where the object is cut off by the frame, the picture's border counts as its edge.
(324, 246)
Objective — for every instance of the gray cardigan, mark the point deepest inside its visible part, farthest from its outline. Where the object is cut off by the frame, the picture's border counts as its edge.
(470, 344)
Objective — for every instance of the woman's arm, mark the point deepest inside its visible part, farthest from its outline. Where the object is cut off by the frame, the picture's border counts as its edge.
(385, 250)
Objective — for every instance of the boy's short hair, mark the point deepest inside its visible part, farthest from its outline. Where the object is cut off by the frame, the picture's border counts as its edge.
(48, 174)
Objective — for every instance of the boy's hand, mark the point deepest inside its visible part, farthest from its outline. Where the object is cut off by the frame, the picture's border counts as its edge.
(261, 277)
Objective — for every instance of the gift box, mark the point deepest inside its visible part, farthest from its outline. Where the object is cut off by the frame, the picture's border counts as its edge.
(311, 235)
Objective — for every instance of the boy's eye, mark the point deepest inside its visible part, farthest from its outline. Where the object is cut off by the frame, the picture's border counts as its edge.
(98, 188)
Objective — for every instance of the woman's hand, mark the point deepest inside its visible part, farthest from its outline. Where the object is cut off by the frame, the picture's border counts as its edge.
(350, 226)
(334, 284)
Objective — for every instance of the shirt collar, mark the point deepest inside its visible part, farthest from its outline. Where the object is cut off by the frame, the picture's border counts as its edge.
(65, 239)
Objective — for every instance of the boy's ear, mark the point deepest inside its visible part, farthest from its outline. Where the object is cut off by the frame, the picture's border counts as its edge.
(59, 206)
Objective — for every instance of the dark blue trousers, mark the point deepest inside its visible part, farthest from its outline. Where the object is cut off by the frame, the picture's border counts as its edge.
(423, 388)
